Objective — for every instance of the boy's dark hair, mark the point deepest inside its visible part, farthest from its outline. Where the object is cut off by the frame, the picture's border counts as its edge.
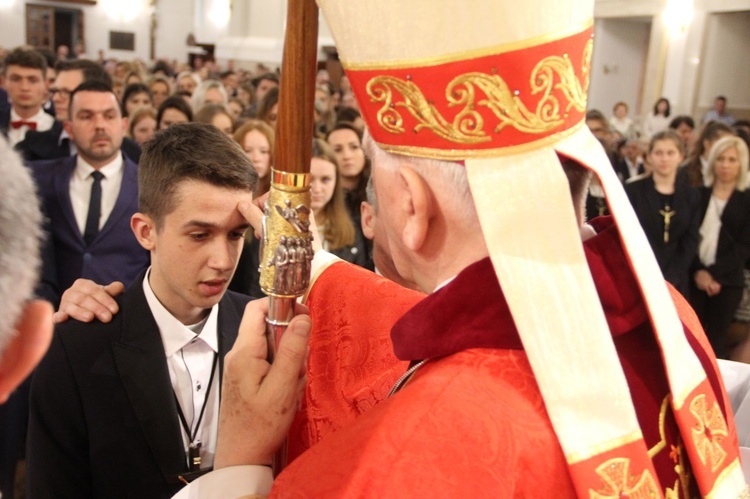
(91, 70)
(26, 58)
(189, 151)
(90, 86)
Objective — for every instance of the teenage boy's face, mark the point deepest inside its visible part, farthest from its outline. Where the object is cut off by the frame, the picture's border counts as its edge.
(195, 251)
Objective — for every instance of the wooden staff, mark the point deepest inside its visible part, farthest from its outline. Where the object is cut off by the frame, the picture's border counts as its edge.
(286, 249)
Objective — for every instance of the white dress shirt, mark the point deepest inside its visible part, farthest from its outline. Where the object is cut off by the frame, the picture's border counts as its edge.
(80, 189)
(190, 352)
(245, 480)
(43, 123)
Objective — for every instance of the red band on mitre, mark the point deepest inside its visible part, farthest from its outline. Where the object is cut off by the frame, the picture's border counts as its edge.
(478, 106)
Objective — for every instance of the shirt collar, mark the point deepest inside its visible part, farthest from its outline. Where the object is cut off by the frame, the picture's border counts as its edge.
(36, 118)
(84, 170)
(174, 334)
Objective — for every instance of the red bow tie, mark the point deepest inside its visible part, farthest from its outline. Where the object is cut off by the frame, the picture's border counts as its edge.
(20, 123)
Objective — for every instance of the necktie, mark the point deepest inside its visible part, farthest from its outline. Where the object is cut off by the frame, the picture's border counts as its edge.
(95, 209)
(18, 124)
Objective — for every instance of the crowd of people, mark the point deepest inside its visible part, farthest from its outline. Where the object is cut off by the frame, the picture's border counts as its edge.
(80, 126)
(688, 188)
(146, 179)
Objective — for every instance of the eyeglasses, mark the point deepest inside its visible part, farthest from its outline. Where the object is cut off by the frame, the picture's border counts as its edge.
(65, 94)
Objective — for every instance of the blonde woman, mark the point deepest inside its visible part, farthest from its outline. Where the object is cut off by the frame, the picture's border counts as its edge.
(725, 240)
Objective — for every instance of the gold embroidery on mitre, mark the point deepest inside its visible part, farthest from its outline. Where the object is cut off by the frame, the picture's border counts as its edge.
(710, 429)
(468, 126)
(618, 482)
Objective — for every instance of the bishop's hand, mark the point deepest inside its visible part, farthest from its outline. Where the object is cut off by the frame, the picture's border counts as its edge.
(259, 400)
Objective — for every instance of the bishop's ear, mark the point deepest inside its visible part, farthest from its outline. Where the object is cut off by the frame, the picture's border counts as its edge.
(418, 208)
(144, 228)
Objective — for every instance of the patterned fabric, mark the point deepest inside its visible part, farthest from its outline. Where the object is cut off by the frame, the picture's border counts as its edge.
(351, 366)
(472, 422)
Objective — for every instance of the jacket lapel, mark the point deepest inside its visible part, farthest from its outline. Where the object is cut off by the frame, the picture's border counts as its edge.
(228, 325)
(62, 188)
(127, 198)
(139, 355)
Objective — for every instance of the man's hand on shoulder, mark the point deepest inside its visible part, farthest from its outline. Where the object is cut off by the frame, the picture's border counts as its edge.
(259, 400)
(86, 299)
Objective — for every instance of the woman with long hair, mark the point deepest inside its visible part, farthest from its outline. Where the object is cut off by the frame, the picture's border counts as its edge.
(257, 140)
(216, 115)
(172, 111)
(142, 124)
(337, 233)
(354, 168)
(208, 92)
(160, 89)
(668, 210)
(697, 164)
(268, 107)
(658, 120)
(134, 97)
(725, 240)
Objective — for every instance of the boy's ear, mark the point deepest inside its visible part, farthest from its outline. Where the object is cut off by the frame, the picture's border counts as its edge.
(144, 228)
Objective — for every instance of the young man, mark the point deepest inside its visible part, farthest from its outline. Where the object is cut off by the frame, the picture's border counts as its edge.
(90, 197)
(24, 76)
(55, 142)
(129, 408)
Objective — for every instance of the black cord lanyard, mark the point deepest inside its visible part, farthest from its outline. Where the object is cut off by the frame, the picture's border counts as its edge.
(194, 448)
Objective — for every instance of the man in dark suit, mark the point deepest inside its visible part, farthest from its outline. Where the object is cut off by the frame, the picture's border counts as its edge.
(130, 408)
(55, 142)
(89, 198)
(630, 163)
(23, 74)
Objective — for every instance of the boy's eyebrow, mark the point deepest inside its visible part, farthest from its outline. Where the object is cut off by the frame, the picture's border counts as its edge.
(211, 225)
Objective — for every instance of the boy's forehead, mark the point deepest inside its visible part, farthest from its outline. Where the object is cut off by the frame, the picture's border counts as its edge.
(198, 195)
(15, 68)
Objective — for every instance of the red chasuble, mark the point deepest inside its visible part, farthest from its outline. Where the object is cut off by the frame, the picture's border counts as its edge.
(351, 366)
(471, 422)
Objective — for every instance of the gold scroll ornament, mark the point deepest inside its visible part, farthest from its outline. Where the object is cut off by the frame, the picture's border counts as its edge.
(286, 245)
(554, 73)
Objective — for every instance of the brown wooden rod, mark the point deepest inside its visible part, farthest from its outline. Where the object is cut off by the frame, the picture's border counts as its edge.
(294, 129)
(294, 133)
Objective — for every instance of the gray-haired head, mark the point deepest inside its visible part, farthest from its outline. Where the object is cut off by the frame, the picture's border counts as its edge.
(20, 235)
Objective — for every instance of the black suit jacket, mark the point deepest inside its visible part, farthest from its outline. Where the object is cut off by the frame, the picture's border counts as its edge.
(114, 255)
(47, 145)
(622, 170)
(4, 118)
(103, 419)
(675, 257)
(733, 249)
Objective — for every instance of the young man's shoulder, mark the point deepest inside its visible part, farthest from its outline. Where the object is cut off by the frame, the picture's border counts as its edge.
(94, 332)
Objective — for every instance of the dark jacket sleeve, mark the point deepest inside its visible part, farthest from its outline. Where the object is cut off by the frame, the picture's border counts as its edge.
(57, 449)
(688, 247)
